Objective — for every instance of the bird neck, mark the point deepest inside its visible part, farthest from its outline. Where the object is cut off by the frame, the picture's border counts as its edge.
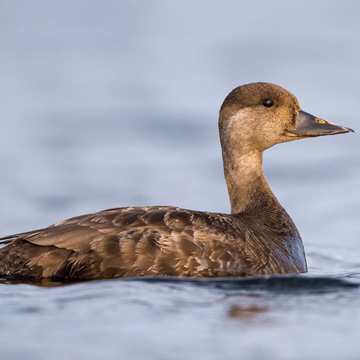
(247, 186)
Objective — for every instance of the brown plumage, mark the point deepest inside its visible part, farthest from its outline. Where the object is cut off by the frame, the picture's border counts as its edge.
(257, 238)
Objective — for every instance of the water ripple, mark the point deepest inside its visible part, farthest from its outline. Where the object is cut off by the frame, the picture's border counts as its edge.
(274, 283)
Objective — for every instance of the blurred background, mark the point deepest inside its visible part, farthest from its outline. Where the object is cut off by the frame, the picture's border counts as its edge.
(115, 103)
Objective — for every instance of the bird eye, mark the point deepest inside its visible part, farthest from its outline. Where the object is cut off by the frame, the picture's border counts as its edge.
(268, 102)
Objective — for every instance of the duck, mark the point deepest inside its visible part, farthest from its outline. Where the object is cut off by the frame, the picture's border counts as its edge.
(257, 238)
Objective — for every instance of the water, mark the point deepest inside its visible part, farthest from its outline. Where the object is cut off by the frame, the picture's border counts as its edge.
(109, 103)
(276, 318)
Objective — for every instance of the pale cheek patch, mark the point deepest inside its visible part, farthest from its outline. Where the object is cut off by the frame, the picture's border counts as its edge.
(240, 116)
